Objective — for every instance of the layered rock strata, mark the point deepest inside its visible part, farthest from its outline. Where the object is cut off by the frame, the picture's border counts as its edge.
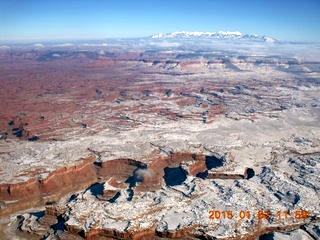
(140, 144)
(68, 179)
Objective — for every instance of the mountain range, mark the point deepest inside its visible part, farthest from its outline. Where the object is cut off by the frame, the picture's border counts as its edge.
(214, 35)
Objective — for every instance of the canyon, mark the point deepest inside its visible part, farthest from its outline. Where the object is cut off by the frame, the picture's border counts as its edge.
(142, 139)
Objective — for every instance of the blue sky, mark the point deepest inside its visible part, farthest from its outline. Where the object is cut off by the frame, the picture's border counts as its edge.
(293, 20)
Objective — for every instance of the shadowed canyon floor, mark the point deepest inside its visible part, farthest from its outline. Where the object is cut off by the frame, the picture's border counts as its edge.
(117, 143)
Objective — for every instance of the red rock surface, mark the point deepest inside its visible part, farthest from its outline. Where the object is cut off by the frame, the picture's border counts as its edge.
(44, 97)
(68, 179)
(57, 183)
(81, 93)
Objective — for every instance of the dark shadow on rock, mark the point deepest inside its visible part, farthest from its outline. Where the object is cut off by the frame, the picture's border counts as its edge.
(98, 91)
(213, 162)
(174, 176)
(131, 193)
(33, 138)
(134, 179)
(59, 226)
(96, 189)
(17, 132)
(203, 175)
(73, 197)
(137, 175)
(82, 233)
(269, 236)
(39, 214)
(112, 200)
(45, 237)
(289, 196)
(168, 92)
(20, 220)
(249, 173)
(98, 164)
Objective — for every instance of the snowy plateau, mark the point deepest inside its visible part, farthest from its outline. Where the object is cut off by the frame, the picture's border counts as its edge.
(186, 135)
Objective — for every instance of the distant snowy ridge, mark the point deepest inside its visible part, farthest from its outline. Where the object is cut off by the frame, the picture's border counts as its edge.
(213, 35)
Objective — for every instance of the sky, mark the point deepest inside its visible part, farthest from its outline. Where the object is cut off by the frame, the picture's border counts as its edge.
(286, 20)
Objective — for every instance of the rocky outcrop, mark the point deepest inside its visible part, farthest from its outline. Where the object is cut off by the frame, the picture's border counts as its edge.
(153, 175)
(113, 233)
(119, 169)
(189, 232)
(39, 191)
(219, 175)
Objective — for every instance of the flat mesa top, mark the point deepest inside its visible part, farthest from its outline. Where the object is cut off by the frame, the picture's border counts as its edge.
(248, 141)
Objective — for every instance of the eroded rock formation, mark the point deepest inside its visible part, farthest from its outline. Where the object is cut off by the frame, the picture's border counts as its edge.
(141, 144)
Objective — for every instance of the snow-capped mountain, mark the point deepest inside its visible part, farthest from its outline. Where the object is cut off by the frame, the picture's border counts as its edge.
(213, 35)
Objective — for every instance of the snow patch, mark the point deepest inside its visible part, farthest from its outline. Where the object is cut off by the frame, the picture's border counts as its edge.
(38, 45)
(213, 35)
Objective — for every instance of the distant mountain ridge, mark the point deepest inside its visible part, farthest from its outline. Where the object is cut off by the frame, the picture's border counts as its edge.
(214, 35)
